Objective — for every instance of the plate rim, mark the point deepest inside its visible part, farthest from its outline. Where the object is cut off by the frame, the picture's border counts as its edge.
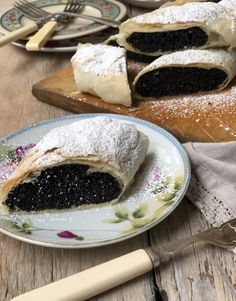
(100, 27)
(160, 130)
(49, 49)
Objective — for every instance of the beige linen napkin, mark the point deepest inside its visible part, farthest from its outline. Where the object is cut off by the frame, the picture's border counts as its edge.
(212, 186)
(213, 182)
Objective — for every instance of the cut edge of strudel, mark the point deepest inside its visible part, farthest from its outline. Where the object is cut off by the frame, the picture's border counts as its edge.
(197, 25)
(113, 41)
(86, 163)
(186, 72)
(101, 70)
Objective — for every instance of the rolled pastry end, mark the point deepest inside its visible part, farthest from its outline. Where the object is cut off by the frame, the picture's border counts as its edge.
(89, 162)
(186, 72)
(101, 70)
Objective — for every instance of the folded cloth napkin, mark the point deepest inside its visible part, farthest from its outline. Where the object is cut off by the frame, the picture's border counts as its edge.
(213, 181)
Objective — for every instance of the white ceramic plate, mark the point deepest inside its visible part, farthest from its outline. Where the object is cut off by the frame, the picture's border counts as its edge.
(159, 186)
(13, 19)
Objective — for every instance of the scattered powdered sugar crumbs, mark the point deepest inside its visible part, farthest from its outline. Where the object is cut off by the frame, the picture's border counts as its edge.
(188, 106)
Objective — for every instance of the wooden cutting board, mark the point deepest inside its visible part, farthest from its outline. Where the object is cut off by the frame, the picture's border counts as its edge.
(203, 117)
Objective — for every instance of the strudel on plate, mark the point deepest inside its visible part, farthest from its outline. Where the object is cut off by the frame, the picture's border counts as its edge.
(88, 162)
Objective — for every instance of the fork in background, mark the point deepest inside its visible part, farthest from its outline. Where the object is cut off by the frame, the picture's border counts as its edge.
(44, 34)
(41, 17)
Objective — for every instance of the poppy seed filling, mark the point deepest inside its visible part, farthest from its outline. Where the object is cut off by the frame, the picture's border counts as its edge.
(179, 80)
(62, 187)
(135, 56)
(166, 41)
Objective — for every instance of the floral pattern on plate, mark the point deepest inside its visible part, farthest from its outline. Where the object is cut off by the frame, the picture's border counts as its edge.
(158, 187)
(109, 9)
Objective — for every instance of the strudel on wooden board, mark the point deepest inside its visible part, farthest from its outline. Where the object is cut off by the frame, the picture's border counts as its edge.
(101, 70)
(186, 72)
(196, 25)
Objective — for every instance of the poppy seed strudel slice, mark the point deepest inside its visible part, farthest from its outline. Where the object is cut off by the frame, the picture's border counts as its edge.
(101, 70)
(190, 26)
(88, 162)
(186, 72)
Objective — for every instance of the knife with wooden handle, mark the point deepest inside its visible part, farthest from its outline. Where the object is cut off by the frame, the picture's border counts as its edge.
(93, 281)
(42, 36)
(18, 34)
(102, 277)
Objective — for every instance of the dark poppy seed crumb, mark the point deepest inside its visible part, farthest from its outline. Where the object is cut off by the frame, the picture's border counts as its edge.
(135, 56)
(113, 43)
(64, 187)
(179, 80)
(140, 57)
(167, 41)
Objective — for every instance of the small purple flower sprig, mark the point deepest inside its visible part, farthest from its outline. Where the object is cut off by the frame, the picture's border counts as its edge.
(26, 227)
(69, 235)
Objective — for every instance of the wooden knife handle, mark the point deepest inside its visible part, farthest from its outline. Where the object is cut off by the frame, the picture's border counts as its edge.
(93, 281)
(18, 34)
(42, 36)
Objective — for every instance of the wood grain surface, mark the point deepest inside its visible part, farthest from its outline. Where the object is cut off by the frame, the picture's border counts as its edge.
(204, 273)
(209, 117)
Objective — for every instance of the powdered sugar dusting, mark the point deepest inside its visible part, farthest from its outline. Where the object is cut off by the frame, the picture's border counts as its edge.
(100, 59)
(217, 57)
(115, 142)
(206, 12)
(229, 4)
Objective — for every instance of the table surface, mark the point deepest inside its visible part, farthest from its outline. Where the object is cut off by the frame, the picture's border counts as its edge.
(200, 272)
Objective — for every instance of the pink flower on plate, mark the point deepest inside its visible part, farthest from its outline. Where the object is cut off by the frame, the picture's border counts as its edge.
(6, 169)
(157, 174)
(22, 151)
(12, 160)
(66, 234)
(69, 235)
